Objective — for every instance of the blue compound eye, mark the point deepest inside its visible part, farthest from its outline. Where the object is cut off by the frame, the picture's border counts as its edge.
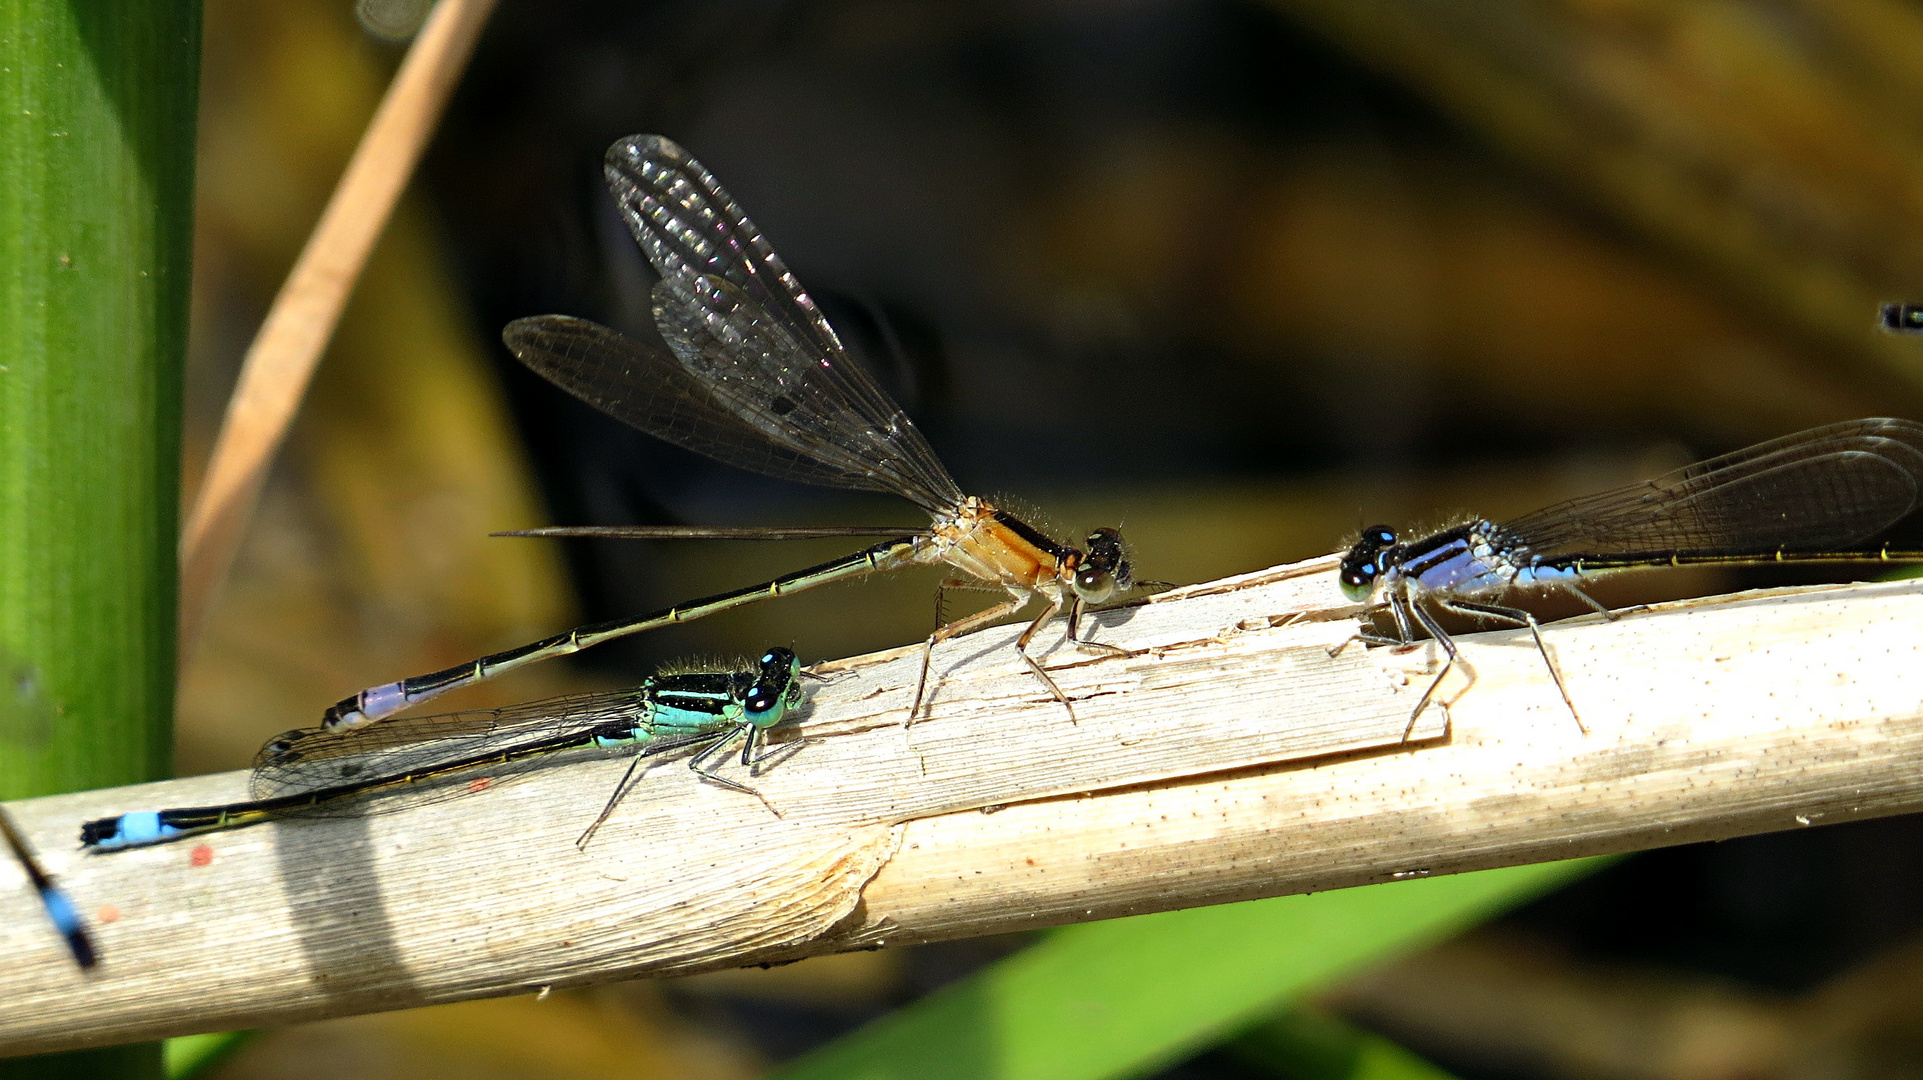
(760, 700)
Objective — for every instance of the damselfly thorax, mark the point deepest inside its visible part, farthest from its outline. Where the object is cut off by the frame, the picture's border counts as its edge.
(1823, 495)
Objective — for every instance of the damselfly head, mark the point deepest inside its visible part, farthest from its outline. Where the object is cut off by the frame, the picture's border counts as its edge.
(1104, 569)
(1363, 564)
(775, 689)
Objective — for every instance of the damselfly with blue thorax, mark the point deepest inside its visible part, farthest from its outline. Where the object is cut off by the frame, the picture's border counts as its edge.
(1822, 495)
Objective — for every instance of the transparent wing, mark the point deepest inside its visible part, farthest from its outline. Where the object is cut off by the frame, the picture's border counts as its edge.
(753, 367)
(1827, 488)
(645, 387)
(743, 325)
(721, 532)
(431, 758)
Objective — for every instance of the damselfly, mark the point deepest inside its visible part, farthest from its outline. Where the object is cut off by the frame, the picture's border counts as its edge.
(1902, 318)
(60, 909)
(317, 772)
(754, 376)
(1822, 495)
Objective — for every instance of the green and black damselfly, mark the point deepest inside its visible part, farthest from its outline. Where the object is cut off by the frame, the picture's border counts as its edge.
(753, 376)
(1822, 495)
(59, 907)
(317, 772)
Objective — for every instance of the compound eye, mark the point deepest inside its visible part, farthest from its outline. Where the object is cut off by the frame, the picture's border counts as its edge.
(1358, 586)
(1363, 564)
(1094, 585)
(1379, 535)
(760, 700)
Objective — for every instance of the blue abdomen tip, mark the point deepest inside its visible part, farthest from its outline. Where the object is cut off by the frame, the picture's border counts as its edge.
(139, 827)
(60, 910)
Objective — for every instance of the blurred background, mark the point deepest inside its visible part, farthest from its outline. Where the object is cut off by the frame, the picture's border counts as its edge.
(1237, 276)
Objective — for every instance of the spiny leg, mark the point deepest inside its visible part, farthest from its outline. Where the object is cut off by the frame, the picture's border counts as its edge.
(1075, 607)
(1398, 602)
(1367, 637)
(1365, 624)
(1520, 617)
(631, 777)
(758, 736)
(620, 792)
(1015, 603)
(928, 646)
(1021, 646)
(699, 764)
(750, 738)
(774, 755)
